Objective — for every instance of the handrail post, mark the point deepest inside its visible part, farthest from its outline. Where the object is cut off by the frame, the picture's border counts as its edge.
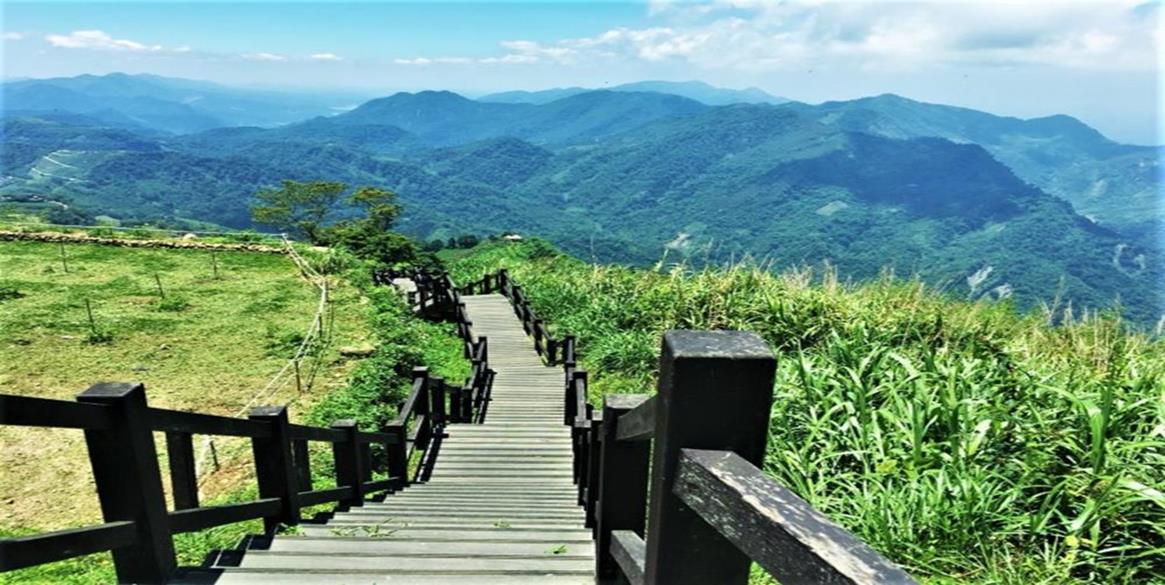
(301, 456)
(349, 461)
(425, 433)
(715, 392)
(398, 454)
(592, 472)
(129, 482)
(570, 406)
(503, 280)
(437, 403)
(539, 341)
(183, 475)
(274, 468)
(622, 484)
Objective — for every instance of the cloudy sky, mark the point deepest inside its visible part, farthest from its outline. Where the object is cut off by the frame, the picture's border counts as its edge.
(1094, 60)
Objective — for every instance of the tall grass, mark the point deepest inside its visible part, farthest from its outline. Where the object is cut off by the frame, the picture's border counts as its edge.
(967, 442)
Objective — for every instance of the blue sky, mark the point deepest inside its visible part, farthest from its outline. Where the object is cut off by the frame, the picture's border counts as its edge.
(1097, 61)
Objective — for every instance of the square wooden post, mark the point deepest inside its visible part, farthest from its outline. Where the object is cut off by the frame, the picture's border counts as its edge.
(274, 467)
(129, 482)
(183, 475)
(715, 392)
(349, 461)
(622, 500)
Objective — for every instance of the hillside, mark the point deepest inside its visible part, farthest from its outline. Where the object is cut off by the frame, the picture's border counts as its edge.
(211, 345)
(964, 442)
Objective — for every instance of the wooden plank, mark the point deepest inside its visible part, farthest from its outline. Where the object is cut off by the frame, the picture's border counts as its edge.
(303, 432)
(316, 497)
(781, 532)
(630, 552)
(639, 423)
(205, 424)
(211, 516)
(42, 412)
(27, 551)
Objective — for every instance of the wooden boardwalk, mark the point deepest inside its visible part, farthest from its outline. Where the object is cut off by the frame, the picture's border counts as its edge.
(500, 507)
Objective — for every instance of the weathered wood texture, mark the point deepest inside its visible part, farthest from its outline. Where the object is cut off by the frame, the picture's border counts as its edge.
(777, 529)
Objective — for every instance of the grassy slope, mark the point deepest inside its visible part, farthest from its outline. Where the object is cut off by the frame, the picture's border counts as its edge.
(218, 352)
(966, 442)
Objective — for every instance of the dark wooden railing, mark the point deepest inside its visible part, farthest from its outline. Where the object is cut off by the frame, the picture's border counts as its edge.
(138, 529)
(436, 295)
(544, 343)
(671, 483)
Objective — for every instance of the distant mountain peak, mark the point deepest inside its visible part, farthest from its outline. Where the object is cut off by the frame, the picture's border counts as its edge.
(699, 91)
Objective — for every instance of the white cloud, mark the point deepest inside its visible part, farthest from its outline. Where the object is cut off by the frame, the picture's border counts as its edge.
(326, 57)
(97, 39)
(13, 36)
(264, 57)
(757, 34)
(434, 60)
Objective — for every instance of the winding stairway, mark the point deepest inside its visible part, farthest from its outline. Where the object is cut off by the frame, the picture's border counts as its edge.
(500, 507)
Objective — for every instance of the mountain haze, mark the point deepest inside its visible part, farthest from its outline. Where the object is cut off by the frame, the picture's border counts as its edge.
(694, 90)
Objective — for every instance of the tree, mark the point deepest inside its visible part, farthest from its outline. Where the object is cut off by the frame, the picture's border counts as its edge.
(371, 236)
(297, 207)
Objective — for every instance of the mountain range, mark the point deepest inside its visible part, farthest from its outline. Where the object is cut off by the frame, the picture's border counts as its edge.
(166, 104)
(693, 90)
(982, 205)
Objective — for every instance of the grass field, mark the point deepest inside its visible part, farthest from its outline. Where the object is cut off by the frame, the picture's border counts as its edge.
(209, 346)
(964, 441)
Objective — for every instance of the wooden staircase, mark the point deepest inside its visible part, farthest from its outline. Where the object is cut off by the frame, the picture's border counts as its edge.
(500, 506)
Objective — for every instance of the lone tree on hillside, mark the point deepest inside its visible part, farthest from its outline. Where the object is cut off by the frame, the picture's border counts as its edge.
(300, 208)
(307, 208)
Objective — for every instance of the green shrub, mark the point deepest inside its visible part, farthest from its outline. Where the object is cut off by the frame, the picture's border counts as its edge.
(172, 304)
(9, 292)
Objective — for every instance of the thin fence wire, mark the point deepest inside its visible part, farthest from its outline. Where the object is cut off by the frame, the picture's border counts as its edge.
(316, 338)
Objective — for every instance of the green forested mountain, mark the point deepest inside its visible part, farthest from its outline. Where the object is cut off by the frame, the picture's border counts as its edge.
(444, 118)
(640, 177)
(1115, 184)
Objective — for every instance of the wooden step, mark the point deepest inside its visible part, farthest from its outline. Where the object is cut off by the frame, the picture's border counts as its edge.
(449, 565)
(436, 548)
(248, 576)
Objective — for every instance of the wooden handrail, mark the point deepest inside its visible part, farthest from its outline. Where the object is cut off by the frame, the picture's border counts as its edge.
(43, 412)
(138, 528)
(777, 529)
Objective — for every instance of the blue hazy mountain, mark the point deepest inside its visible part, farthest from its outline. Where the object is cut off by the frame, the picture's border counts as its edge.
(163, 103)
(693, 90)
